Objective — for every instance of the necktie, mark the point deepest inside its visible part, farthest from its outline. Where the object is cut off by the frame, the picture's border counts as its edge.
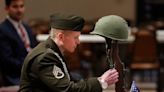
(24, 37)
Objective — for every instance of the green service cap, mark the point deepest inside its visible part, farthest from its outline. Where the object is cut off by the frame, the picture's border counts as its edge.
(66, 22)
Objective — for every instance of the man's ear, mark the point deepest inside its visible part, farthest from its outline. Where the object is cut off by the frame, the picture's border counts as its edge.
(60, 36)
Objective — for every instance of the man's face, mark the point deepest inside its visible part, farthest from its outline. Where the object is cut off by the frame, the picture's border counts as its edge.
(16, 9)
(70, 41)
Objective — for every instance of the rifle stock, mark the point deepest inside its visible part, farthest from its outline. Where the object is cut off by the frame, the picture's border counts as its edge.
(115, 62)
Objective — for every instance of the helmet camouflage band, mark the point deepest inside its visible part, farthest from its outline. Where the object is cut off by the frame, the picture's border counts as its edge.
(113, 27)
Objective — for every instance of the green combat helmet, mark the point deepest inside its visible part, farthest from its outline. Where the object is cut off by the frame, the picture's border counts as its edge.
(113, 27)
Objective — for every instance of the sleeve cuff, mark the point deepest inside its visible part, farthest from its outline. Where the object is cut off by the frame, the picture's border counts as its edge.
(104, 85)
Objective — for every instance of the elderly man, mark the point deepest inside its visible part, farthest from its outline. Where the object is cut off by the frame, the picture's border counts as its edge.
(44, 69)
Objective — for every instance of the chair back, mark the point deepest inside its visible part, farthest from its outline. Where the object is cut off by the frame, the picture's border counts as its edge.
(145, 50)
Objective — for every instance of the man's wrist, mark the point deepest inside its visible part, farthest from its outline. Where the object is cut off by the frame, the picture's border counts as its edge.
(104, 84)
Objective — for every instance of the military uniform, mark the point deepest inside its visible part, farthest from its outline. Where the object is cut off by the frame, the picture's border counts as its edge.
(44, 70)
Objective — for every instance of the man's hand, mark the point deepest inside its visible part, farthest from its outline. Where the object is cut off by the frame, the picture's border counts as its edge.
(109, 77)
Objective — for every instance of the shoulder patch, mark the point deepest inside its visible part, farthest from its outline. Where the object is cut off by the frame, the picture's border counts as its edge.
(58, 73)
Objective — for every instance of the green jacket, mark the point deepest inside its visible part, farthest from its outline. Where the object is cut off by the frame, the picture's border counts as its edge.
(44, 70)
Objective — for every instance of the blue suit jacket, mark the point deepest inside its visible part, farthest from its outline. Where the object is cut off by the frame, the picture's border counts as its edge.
(12, 52)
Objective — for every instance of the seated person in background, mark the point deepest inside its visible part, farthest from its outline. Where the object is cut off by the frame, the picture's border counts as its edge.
(16, 40)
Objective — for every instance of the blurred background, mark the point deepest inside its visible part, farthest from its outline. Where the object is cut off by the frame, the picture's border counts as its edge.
(142, 53)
